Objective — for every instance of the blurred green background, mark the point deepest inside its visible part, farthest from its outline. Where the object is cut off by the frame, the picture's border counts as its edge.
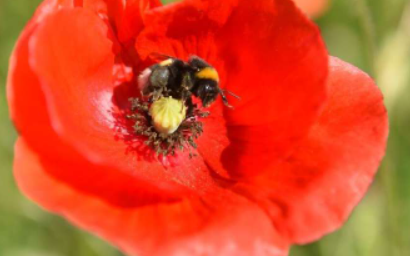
(373, 35)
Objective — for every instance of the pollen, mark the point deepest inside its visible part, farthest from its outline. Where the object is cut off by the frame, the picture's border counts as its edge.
(167, 114)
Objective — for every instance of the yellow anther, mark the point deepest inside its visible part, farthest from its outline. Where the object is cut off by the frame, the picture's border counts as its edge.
(167, 114)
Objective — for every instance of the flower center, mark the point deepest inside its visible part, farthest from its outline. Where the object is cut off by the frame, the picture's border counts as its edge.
(165, 114)
(166, 124)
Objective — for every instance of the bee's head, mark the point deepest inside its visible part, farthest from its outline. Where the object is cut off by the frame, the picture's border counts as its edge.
(206, 85)
(207, 90)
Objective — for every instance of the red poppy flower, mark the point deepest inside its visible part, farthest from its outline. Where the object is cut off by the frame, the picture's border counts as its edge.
(286, 165)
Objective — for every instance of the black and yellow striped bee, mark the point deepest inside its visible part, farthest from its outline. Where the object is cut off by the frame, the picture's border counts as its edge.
(180, 80)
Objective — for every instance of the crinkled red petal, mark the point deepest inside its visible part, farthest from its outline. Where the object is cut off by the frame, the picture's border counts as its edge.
(74, 66)
(225, 225)
(132, 18)
(266, 52)
(314, 191)
(47, 7)
(126, 17)
(30, 116)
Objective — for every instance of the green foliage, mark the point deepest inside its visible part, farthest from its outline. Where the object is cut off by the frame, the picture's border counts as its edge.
(373, 35)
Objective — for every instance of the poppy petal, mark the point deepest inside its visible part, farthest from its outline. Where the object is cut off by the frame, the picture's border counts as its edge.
(126, 16)
(47, 7)
(234, 227)
(75, 66)
(132, 18)
(32, 121)
(314, 191)
(268, 53)
(280, 72)
(20, 95)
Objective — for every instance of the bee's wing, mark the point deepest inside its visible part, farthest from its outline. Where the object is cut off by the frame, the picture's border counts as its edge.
(158, 57)
(143, 79)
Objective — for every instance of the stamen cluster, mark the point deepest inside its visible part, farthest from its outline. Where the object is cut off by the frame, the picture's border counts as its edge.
(166, 144)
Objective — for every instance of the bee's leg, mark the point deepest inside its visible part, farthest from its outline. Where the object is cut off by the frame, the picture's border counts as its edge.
(191, 107)
(147, 90)
(185, 97)
(158, 93)
(225, 100)
(187, 82)
(231, 93)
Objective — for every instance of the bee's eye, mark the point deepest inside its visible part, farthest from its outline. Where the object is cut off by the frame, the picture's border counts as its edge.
(208, 88)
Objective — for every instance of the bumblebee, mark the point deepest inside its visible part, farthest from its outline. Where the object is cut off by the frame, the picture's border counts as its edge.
(180, 80)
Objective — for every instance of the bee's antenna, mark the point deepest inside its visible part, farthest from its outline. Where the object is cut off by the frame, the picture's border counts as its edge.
(231, 93)
(158, 55)
(224, 99)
